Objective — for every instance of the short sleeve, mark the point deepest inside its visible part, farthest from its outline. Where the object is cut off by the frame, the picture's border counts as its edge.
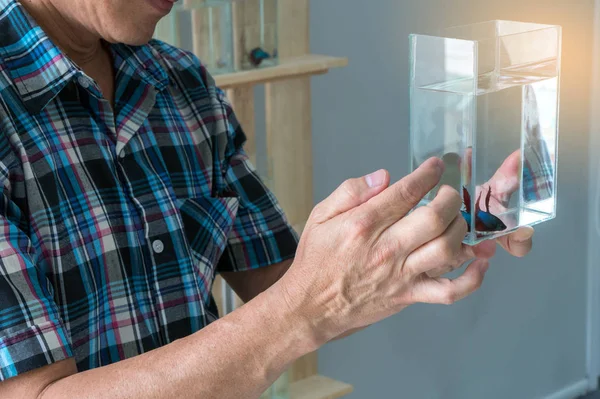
(261, 234)
(32, 334)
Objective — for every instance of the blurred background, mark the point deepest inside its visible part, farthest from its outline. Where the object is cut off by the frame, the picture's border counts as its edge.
(528, 332)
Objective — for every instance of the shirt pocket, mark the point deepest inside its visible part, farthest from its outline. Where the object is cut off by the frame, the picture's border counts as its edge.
(207, 223)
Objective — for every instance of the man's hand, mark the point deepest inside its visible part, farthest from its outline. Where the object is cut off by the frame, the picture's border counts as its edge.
(363, 257)
(503, 184)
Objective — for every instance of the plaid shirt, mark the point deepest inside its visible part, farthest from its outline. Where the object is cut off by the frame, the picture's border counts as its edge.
(113, 225)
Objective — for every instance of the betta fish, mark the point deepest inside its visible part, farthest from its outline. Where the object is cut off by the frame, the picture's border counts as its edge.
(258, 55)
(484, 221)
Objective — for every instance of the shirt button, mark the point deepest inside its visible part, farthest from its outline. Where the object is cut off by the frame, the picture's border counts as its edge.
(83, 82)
(158, 246)
(122, 154)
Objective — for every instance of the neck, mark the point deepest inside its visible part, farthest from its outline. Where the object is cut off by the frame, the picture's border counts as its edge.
(56, 19)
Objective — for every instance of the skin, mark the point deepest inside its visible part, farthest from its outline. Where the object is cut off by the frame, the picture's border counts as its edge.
(362, 258)
(77, 26)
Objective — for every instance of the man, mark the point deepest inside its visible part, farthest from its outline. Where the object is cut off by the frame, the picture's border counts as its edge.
(125, 188)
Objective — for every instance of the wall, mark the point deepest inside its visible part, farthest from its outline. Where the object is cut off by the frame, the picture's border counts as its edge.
(523, 334)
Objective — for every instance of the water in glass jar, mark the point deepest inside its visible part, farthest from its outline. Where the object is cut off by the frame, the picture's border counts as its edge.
(498, 143)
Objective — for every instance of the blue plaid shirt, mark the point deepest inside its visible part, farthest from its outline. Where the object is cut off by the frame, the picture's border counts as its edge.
(113, 224)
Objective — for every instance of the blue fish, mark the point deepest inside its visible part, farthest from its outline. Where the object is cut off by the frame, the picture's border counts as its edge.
(258, 55)
(484, 221)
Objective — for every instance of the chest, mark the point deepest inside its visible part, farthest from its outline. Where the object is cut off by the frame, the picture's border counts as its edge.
(92, 181)
(159, 141)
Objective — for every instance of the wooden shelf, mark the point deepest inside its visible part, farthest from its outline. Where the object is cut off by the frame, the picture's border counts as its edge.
(311, 64)
(319, 387)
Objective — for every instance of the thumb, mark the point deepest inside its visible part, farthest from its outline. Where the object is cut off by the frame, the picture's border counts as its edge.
(350, 194)
(506, 179)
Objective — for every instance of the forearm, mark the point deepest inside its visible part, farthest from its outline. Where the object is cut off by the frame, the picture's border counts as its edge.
(238, 356)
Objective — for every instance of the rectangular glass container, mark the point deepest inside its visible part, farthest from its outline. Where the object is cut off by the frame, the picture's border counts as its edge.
(203, 27)
(255, 31)
(485, 99)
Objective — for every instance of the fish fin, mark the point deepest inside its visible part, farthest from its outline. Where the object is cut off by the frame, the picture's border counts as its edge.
(491, 222)
(487, 200)
(467, 217)
(467, 199)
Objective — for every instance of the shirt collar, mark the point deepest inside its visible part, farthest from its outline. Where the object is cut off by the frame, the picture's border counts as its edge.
(144, 60)
(40, 70)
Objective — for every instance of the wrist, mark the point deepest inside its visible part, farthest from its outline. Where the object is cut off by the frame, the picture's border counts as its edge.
(293, 320)
(304, 311)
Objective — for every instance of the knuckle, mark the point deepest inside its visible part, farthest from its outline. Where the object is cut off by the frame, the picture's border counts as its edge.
(434, 219)
(317, 211)
(387, 251)
(478, 282)
(409, 189)
(348, 187)
(447, 251)
(382, 255)
(437, 272)
(449, 297)
(456, 263)
(361, 224)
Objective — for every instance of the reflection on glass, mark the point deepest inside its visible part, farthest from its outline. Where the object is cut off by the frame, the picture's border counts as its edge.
(484, 99)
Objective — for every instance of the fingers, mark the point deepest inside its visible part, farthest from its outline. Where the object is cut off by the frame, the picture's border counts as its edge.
(446, 291)
(430, 221)
(443, 254)
(350, 194)
(466, 165)
(398, 199)
(518, 243)
(485, 249)
(506, 179)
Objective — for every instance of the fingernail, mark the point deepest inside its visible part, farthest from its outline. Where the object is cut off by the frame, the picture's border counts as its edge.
(375, 179)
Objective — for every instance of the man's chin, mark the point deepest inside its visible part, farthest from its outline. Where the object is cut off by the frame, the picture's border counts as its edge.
(131, 37)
